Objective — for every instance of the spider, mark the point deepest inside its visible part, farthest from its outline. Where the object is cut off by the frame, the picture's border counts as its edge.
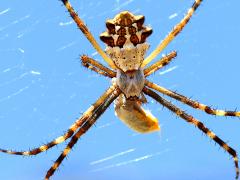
(125, 38)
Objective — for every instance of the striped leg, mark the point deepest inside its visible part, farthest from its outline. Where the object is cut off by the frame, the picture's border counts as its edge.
(87, 33)
(78, 123)
(97, 67)
(190, 102)
(82, 130)
(196, 123)
(160, 63)
(176, 30)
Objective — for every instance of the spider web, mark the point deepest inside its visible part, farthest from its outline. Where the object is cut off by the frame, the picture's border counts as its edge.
(43, 89)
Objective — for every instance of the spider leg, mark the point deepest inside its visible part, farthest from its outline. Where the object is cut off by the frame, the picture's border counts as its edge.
(97, 67)
(82, 130)
(87, 33)
(176, 30)
(160, 63)
(78, 123)
(196, 123)
(190, 102)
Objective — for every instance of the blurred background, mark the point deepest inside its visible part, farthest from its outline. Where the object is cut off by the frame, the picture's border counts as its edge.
(44, 88)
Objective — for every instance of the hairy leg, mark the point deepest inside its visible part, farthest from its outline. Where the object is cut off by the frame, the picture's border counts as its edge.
(87, 125)
(78, 123)
(97, 67)
(87, 33)
(160, 63)
(176, 30)
(190, 102)
(196, 123)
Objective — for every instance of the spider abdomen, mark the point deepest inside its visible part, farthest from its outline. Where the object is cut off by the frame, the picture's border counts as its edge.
(126, 40)
(129, 57)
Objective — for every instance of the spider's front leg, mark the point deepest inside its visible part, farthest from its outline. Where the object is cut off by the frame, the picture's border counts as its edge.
(83, 129)
(78, 123)
(190, 102)
(196, 123)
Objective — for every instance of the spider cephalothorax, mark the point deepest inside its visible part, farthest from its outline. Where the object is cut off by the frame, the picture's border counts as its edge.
(126, 46)
(125, 38)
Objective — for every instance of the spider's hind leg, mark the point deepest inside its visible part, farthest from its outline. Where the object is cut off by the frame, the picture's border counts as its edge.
(160, 63)
(176, 30)
(97, 67)
(87, 33)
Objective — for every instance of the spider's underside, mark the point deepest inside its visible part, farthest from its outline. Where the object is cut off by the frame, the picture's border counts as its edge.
(126, 46)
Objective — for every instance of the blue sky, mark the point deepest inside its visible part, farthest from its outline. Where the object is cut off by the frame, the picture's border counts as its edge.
(43, 89)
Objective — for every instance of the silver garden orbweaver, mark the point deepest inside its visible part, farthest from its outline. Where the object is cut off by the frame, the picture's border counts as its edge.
(125, 38)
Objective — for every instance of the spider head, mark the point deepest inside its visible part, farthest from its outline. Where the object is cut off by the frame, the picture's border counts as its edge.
(126, 40)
